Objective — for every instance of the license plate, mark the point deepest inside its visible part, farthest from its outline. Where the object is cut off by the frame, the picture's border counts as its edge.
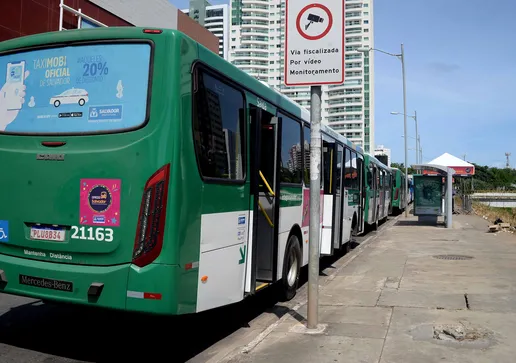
(47, 234)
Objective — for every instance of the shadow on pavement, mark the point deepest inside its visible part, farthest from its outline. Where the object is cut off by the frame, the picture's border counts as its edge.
(94, 335)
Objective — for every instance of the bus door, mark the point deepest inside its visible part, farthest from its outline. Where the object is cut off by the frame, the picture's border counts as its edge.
(330, 224)
(361, 185)
(381, 190)
(264, 191)
(338, 199)
(376, 193)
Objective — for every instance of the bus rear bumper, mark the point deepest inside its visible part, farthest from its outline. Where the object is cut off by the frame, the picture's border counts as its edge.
(112, 287)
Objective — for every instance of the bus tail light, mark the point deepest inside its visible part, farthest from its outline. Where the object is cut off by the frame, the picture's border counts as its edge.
(151, 221)
(396, 195)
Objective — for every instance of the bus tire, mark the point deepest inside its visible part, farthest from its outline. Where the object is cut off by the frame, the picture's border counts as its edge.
(291, 268)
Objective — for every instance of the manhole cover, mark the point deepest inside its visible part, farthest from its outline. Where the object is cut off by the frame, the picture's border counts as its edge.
(453, 257)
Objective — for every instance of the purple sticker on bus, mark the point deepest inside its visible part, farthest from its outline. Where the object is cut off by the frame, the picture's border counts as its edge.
(100, 202)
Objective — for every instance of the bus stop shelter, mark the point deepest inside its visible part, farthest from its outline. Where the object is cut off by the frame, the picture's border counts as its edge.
(447, 173)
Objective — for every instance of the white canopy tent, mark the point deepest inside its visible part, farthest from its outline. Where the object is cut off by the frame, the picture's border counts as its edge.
(460, 167)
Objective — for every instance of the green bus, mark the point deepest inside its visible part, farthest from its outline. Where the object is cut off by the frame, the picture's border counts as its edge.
(378, 190)
(399, 200)
(148, 174)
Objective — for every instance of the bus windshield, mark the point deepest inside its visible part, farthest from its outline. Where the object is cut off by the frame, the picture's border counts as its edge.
(90, 88)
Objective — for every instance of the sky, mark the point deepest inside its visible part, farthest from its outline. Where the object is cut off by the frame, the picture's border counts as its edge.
(460, 65)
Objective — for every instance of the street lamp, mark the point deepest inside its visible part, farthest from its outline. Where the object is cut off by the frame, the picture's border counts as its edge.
(401, 57)
(418, 146)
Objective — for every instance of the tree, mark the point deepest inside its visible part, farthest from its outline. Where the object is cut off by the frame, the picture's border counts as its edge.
(401, 166)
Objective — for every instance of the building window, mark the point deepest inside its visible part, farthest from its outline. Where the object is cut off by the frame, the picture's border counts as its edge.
(366, 21)
(291, 153)
(219, 129)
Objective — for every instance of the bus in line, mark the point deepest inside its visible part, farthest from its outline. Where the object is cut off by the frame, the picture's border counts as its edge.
(165, 180)
(400, 200)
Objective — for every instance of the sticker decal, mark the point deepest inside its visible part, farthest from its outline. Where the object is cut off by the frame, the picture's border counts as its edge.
(100, 202)
(4, 231)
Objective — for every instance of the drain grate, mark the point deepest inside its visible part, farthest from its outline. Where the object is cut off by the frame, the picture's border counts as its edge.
(454, 257)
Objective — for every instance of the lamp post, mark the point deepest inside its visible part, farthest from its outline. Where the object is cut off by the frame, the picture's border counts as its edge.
(401, 57)
(418, 140)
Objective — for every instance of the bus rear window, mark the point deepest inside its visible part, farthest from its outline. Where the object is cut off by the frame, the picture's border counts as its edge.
(76, 89)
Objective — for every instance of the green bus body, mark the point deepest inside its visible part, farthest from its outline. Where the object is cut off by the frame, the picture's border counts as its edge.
(399, 200)
(378, 190)
(191, 198)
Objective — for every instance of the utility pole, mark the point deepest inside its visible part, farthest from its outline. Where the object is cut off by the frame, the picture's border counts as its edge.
(402, 58)
(508, 164)
(417, 140)
(315, 206)
(302, 69)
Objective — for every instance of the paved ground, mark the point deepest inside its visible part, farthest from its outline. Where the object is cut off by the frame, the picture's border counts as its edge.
(395, 302)
(31, 331)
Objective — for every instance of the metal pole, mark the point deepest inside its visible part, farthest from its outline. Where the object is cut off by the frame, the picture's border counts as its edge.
(61, 15)
(315, 206)
(405, 122)
(417, 140)
(420, 152)
(449, 197)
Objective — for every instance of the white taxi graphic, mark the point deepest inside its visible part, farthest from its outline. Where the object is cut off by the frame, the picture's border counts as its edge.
(73, 95)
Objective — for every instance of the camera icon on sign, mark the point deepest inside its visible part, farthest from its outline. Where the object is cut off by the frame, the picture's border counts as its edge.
(312, 18)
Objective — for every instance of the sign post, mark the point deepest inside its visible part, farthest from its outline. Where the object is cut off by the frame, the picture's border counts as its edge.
(314, 56)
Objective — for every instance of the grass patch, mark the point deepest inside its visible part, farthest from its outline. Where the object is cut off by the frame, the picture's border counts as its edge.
(508, 215)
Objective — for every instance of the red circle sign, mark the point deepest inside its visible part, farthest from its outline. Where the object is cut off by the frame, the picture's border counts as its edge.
(328, 27)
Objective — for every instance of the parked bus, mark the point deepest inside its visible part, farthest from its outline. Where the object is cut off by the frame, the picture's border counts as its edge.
(377, 191)
(399, 199)
(165, 180)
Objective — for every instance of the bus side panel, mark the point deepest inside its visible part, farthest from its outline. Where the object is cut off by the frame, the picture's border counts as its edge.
(222, 262)
(290, 214)
(218, 181)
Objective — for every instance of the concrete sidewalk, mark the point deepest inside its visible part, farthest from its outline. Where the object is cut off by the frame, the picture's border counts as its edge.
(398, 301)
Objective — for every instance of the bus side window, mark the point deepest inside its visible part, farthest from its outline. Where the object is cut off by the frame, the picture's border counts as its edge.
(219, 131)
(291, 160)
(328, 157)
(354, 171)
(348, 171)
(370, 177)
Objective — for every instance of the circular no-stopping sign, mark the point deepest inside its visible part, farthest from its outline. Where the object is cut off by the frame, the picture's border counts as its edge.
(314, 21)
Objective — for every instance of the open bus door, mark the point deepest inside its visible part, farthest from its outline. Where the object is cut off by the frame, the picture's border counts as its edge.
(332, 204)
(265, 128)
(362, 193)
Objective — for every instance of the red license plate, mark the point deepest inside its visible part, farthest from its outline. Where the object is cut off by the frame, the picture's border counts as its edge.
(47, 234)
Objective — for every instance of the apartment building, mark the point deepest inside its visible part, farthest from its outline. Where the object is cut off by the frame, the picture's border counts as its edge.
(256, 45)
(216, 21)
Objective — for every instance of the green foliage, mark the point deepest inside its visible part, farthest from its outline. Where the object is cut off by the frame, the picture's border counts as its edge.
(401, 166)
(487, 178)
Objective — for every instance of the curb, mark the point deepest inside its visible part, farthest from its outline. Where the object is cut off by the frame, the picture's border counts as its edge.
(356, 252)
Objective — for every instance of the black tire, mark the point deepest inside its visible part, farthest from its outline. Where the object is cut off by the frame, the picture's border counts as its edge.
(82, 102)
(57, 103)
(291, 268)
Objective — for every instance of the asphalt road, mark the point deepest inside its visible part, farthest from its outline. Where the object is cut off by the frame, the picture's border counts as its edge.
(32, 331)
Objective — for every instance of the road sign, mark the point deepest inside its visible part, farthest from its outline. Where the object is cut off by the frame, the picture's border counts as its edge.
(314, 42)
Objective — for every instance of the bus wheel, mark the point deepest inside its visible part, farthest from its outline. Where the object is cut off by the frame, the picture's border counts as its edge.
(291, 268)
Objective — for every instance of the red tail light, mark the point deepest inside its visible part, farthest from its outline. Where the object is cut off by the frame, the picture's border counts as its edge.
(397, 193)
(151, 221)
